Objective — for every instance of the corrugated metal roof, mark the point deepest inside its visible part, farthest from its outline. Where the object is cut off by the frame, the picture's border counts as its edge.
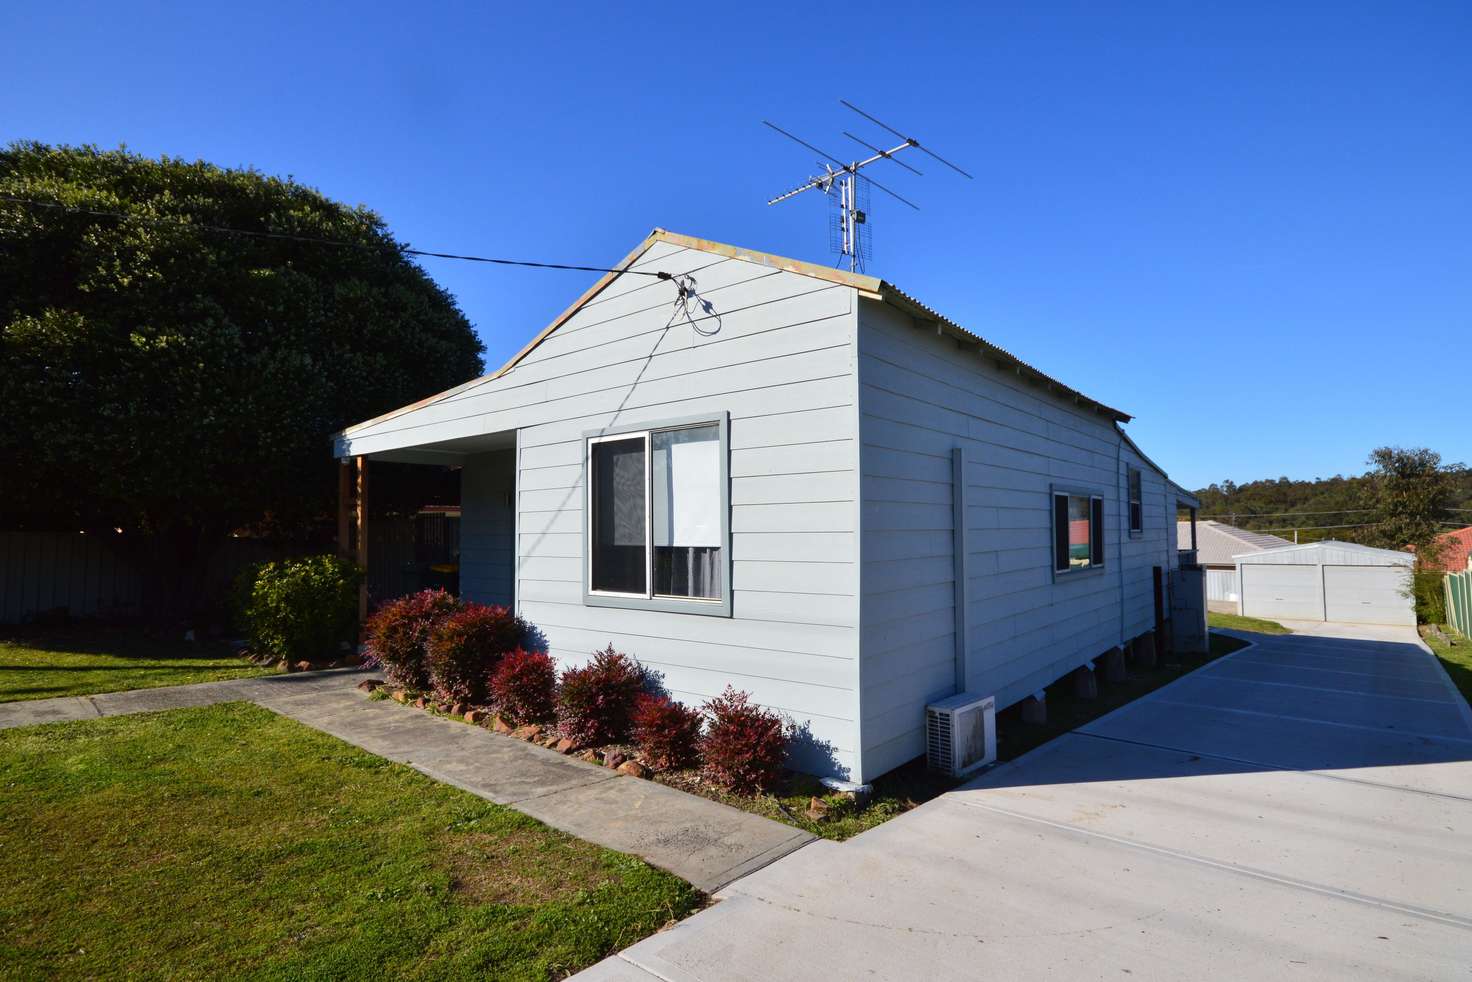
(1218, 542)
(1336, 551)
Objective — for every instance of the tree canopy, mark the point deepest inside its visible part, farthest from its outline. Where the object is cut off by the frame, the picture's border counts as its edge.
(162, 374)
(1410, 493)
(1407, 497)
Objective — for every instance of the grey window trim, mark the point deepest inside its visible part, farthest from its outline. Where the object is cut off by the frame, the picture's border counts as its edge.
(1078, 491)
(719, 607)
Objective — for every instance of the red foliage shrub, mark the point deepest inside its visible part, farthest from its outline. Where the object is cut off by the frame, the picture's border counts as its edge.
(744, 745)
(595, 703)
(667, 732)
(524, 687)
(464, 647)
(397, 632)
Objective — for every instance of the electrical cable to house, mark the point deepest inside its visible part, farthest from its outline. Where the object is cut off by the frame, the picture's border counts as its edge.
(314, 240)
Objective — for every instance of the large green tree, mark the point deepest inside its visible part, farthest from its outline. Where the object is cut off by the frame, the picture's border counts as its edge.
(1411, 492)
(165, 375)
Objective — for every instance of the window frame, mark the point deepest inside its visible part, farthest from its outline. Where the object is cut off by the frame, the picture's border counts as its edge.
(709, 607)
(1134, 483)
(1098, 531)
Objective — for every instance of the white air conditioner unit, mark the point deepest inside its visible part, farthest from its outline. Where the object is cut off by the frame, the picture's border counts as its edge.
(961, 734)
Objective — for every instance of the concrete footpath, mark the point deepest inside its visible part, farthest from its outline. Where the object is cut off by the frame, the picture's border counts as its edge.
(1301, 809)
(703, 842)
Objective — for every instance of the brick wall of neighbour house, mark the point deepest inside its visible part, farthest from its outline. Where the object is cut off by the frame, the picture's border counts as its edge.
(775, 352)
(920, 397)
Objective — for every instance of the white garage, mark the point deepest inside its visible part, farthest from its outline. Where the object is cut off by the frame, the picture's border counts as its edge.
(1327, 581)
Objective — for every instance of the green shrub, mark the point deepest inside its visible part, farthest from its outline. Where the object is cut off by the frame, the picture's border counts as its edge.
(302, 609)
(1430, 598)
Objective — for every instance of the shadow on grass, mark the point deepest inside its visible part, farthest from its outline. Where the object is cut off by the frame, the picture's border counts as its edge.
(1461, 677)
(127, 642)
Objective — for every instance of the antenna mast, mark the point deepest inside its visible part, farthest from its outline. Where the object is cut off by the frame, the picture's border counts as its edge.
(848, 189)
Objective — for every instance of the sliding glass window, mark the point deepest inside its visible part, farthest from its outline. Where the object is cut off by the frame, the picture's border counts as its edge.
(658, 518)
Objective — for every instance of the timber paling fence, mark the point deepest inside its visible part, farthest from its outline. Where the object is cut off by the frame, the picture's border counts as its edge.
(1458, 587)
(75, 575)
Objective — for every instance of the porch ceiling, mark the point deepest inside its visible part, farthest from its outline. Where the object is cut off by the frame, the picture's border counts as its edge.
(449, 452)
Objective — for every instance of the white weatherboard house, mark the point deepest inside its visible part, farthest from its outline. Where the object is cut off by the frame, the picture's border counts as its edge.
(804, 483)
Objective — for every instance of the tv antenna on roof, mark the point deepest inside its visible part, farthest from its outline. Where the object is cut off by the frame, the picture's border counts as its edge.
(849, 190)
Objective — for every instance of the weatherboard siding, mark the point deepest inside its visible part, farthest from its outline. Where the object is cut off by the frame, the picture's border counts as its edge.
(774, 350)
(776, 354)
(487, 527)
(920, 396)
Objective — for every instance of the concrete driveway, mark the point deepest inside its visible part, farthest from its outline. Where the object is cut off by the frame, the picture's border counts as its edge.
(1301, 809)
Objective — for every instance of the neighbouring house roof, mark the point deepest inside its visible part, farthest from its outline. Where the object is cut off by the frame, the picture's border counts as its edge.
(1455, 548)
(1218, 542)
(870, 287)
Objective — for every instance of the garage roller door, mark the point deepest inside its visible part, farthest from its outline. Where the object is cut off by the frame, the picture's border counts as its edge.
(1368, 595)
(1276, 591)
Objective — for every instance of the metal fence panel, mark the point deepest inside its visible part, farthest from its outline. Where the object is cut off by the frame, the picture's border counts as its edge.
(1458, 587)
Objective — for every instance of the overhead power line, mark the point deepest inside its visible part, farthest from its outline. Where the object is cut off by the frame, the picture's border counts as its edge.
(1290, 514)
(1319, 528)
(315, 240)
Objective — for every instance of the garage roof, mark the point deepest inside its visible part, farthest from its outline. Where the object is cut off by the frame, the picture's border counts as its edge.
(1329, 552)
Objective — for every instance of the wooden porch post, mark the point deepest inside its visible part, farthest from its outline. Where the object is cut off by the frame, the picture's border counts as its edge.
(344, 508)
(361, 515)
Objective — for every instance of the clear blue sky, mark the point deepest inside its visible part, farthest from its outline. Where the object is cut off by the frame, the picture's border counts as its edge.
(1250, 225)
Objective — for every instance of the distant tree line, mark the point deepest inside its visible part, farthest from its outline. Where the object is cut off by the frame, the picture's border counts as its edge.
(1407, 498)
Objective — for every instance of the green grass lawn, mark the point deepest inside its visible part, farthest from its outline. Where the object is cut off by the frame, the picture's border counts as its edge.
(1236, 622)
(228, 841)
(912, 784)
(38, 663)
(1456, 659)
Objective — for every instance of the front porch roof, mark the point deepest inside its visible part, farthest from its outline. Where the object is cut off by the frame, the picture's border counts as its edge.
(446, 452)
